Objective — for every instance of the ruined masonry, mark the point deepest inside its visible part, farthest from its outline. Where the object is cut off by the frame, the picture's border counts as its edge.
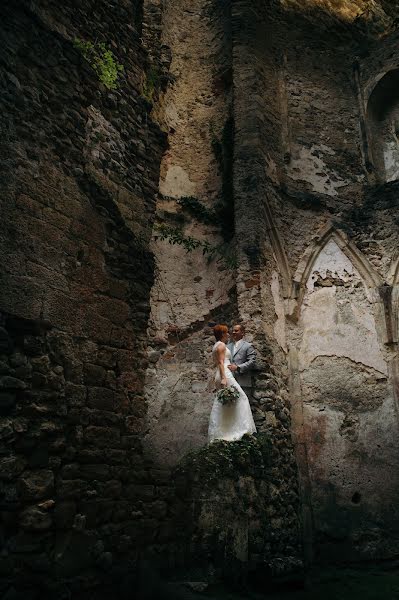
(262, 138)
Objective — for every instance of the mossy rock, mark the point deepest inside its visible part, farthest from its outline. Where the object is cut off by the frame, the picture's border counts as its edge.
(250, 456)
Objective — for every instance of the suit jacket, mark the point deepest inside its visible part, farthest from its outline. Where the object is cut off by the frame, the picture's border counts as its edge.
(245, 358)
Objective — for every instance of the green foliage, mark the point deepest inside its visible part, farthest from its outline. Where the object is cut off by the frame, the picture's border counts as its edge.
(198, 210)
(250, 456)
(102, 60)
(176, 237)
(151, 83)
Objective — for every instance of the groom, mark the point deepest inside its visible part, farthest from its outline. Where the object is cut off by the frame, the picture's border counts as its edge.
(243, 357)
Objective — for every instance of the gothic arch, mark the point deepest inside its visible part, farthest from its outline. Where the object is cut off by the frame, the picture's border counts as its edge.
(278, 251)
(382, 115)
(341, 381)
(369, 275)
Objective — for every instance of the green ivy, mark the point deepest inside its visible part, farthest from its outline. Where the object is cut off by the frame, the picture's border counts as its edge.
(250, 456)
(198, 210)
(176, 237)
(151, 83)
(102, 60)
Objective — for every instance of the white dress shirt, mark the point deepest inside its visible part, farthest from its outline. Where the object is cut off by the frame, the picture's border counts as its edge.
(236, 347)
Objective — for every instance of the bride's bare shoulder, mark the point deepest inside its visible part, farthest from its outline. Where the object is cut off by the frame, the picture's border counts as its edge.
(219, 346)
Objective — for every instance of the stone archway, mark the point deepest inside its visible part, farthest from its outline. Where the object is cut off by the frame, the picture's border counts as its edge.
(383, 126)
(345, 423)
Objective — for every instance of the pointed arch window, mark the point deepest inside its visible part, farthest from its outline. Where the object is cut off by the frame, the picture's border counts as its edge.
(383, 126)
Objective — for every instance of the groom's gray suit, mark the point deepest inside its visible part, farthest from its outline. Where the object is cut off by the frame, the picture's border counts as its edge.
(244, 358)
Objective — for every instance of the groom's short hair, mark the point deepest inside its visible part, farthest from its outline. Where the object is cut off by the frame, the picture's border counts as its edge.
(240, 326)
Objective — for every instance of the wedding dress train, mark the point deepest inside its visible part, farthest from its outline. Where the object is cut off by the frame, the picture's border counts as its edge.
(229, 421)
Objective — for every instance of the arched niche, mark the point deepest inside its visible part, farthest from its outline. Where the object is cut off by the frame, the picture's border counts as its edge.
(326, 234)
(348, 424)
(383, 126)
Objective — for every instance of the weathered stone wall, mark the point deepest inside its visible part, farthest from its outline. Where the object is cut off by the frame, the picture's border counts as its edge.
(257, 100)
(79, 172)
(104, 340)
(229, 496)
(190, 290)
(302, 174)
(189, 293)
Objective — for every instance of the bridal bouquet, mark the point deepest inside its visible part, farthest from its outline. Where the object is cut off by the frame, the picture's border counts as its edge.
(228, 395)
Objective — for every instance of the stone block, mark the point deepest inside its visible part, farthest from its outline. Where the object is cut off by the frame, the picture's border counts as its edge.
(94, 375)
(102, 437)
(7, 402)
(134, 424)
(71, 489)
(140, 492)
(39, 458)
(5, 341)
(36, 485)
(33, 346)
(64, 514)
(75, 394)
(11, 467)
(103, 398)
(11, 383)
(34, 518)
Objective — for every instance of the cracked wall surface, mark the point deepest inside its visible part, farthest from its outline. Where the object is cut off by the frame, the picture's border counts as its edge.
(190, 290)
(326, 302)
(350, 421)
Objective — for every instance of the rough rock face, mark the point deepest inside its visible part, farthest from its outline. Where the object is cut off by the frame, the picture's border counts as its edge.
(230, 496)
(79, 172)
(282, 154)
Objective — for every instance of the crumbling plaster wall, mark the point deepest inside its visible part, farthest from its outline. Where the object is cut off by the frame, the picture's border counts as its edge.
(349, 412)
(300, 172)
(179, 403)
(190, 290)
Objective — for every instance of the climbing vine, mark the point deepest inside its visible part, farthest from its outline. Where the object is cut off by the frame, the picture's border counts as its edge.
(250, 455)
(198, 210)
(151, 82)
(175, 236)
(155, 81)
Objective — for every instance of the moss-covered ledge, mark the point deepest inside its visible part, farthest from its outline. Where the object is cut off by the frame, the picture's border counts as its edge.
(250, 456)
(232, 514)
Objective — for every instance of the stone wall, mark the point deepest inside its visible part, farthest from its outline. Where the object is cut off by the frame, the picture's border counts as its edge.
(248, 127)
(317, 262)
(189, 293)
(79, 172)
(229, 497)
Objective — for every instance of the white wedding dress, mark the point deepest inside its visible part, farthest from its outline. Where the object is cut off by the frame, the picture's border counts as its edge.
(229, 421)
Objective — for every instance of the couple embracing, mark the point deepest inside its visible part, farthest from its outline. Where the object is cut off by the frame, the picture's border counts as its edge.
(233, 361)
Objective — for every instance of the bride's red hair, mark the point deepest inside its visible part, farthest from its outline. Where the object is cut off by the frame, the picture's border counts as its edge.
(219, 331)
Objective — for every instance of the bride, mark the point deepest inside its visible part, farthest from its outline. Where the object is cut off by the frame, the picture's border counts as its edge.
(228, 421)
